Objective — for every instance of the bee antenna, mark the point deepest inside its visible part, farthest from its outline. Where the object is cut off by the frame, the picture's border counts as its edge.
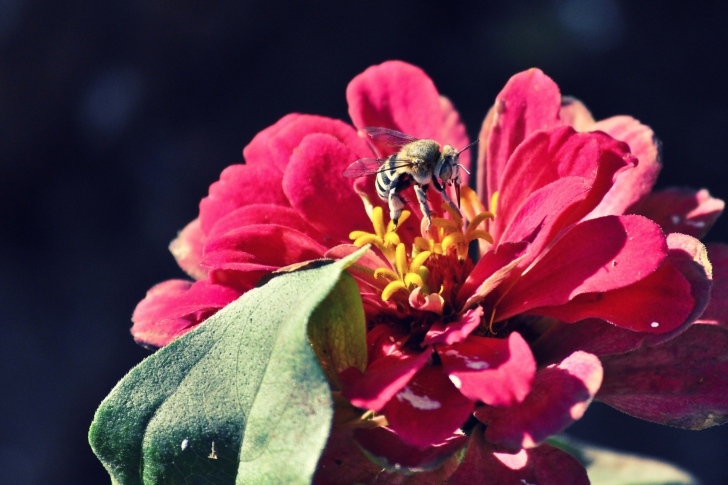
(461, 151)
(466, 170)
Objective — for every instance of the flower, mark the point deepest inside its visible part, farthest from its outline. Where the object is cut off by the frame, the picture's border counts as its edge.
(574, 281)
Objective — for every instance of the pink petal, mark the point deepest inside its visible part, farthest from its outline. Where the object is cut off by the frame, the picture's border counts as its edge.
(453, 133)
(428, 410)
(450, 333)
(537, 214)
(594, 256)
(384, 378)
(559, 152)
(396, 95)
(489, 272)
(683, 382)
(266, 214)
(290, 137)
(258, 152)
(391, 452)
(575, 114)
(432, 302)
(659, 303)
(498, 372)
(174, 307)
(690, 257)
(241, 185)
(384, 340)
(544, 465)
(530, 101)
(261, 247)
(315, 186)
(275, 145)
(633, 185)
(592, 335)
(717, 311)
(687, 255)
(682, 210)
(560, 395)
(187, 250)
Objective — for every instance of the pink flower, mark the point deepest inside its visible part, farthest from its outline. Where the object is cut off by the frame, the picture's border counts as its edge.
(571, 287)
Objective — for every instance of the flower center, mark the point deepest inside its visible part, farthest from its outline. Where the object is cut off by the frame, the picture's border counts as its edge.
(444, 248)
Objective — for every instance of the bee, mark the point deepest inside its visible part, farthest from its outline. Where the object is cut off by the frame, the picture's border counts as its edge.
(418, 162)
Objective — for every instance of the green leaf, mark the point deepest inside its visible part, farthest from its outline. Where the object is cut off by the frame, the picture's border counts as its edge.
(337, 331)
(607, 467)
(241, 399)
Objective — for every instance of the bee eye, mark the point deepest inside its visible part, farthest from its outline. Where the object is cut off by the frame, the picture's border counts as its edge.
(445, 171)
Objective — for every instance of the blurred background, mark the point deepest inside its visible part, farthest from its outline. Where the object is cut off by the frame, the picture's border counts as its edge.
(115, 117)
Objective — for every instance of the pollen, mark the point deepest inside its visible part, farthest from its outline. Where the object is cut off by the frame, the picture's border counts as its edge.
(449, 233)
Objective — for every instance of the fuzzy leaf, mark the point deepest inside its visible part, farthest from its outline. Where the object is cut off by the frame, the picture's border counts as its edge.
(240, 399)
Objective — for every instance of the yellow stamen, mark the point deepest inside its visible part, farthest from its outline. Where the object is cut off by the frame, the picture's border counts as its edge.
(400, 262)
(385, 273)
(413, 279)
(445, 223)
(391, 289)
(418, 261)
(478, 219)
(378, 221)
(366, 239)
(392, 238)
(452, 239)
(472, 235)
(494, 203)
(456, 217)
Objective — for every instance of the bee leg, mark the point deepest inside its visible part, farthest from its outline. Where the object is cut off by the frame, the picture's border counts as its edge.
(396, 204)
(452, 204)
(422, 199)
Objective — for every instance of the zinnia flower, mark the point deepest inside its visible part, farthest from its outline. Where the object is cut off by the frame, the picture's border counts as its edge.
(555, 284)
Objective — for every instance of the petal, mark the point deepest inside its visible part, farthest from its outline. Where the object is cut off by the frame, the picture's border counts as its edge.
(559, 152)
(453, 133)
(396, 95)
(174, 307)
(389, 451)
(258, 152)
(266, 214)
(594, 256)
(260, 247)
(450, 333)
(544, 465)
(384, 340)
(633, 185)
(717, 311)
(187, 250)
(275, 145)
(530, 101)
(315, 186)
(241, 185)
(687, 255)
(575, 114)
(498, 372)
(683, 382)
(284, 145)
(427, 303)
(659, 303)
(489, 272)
(384, 378)
(428, 410)
(592, 335)
(560, 395)
(682, 210)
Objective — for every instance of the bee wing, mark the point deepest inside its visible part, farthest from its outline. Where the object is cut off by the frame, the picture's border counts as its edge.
(387, 137)
(363, 166)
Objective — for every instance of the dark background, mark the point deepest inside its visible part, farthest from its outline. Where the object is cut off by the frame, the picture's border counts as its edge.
(116, 116)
